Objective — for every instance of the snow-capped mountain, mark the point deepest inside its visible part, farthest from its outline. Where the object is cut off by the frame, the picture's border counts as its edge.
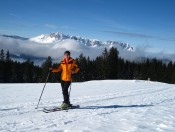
(49, 38)
(57, 37)
(54, 44)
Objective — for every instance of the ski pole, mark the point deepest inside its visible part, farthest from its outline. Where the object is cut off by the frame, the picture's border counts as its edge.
(42, 90)
(70, 89)
(70, 85)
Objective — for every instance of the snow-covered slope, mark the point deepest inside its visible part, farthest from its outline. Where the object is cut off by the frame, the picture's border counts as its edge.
(111, 105)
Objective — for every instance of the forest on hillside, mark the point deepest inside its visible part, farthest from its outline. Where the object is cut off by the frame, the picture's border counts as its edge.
(106, 66)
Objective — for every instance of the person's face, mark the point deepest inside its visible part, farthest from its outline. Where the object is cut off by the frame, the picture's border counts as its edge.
(66, 56)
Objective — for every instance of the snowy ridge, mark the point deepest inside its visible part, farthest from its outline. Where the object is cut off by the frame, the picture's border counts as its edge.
(120, 105)
(54, 45)
(49, 38)
(57, 37)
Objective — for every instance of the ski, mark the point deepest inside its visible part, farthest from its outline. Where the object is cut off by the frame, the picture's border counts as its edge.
(54, 108)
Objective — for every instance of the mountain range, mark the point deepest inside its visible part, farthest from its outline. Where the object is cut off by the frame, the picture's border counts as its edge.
(56, 37)
(40, 47)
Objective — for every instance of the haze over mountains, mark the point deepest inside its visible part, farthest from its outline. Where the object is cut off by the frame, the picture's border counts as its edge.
(40, 47)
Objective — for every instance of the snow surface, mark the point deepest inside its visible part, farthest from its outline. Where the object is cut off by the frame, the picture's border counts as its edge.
(110, 105)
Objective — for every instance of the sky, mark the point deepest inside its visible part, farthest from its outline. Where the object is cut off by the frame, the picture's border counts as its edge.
(146, 23)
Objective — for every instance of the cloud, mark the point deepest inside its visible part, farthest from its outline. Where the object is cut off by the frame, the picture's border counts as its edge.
(65, 27)
(14, 15)
(139, 35)
(143, 52)
(131, 34)
(57, 27)
(50, 26)
(167, 39)
(56, 50)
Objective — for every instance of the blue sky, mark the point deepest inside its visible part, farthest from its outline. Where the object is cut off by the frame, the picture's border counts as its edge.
(149, 23)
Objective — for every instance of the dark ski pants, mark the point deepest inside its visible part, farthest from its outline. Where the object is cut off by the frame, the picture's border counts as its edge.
(65, 86)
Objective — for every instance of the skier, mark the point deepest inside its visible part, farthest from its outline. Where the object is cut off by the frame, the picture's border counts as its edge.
(68, 67)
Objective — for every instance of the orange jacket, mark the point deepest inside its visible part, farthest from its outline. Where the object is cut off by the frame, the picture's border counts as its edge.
(67, 69)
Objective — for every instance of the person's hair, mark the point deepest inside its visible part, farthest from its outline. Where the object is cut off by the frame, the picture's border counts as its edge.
(67, 52)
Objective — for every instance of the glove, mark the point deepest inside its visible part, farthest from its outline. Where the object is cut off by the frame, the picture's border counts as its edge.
(50, 69)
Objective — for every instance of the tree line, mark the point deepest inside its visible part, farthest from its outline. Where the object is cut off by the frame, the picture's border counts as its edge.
(18, 72)
(106, 66)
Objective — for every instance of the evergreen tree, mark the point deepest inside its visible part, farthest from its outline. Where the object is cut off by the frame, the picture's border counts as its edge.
(104, 64)
(82, 63)
(2, 56)
(136, 71)
(56, 77)
(1, 71)
(173, 74)
(90, 69)
(45, 69)
(17, 72)
(169, 72)
(99, 68)
(121, 69)
(7, 72)
(8, 56)
(28, 71)
(113, 63)
(7, 69)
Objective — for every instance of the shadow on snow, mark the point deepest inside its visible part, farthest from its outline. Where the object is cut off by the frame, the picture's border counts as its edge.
(114, 106)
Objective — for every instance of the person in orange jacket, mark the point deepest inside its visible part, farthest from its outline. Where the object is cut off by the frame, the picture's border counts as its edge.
(67, 67)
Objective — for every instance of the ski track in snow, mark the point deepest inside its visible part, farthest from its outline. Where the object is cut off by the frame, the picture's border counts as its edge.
(110, 105)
